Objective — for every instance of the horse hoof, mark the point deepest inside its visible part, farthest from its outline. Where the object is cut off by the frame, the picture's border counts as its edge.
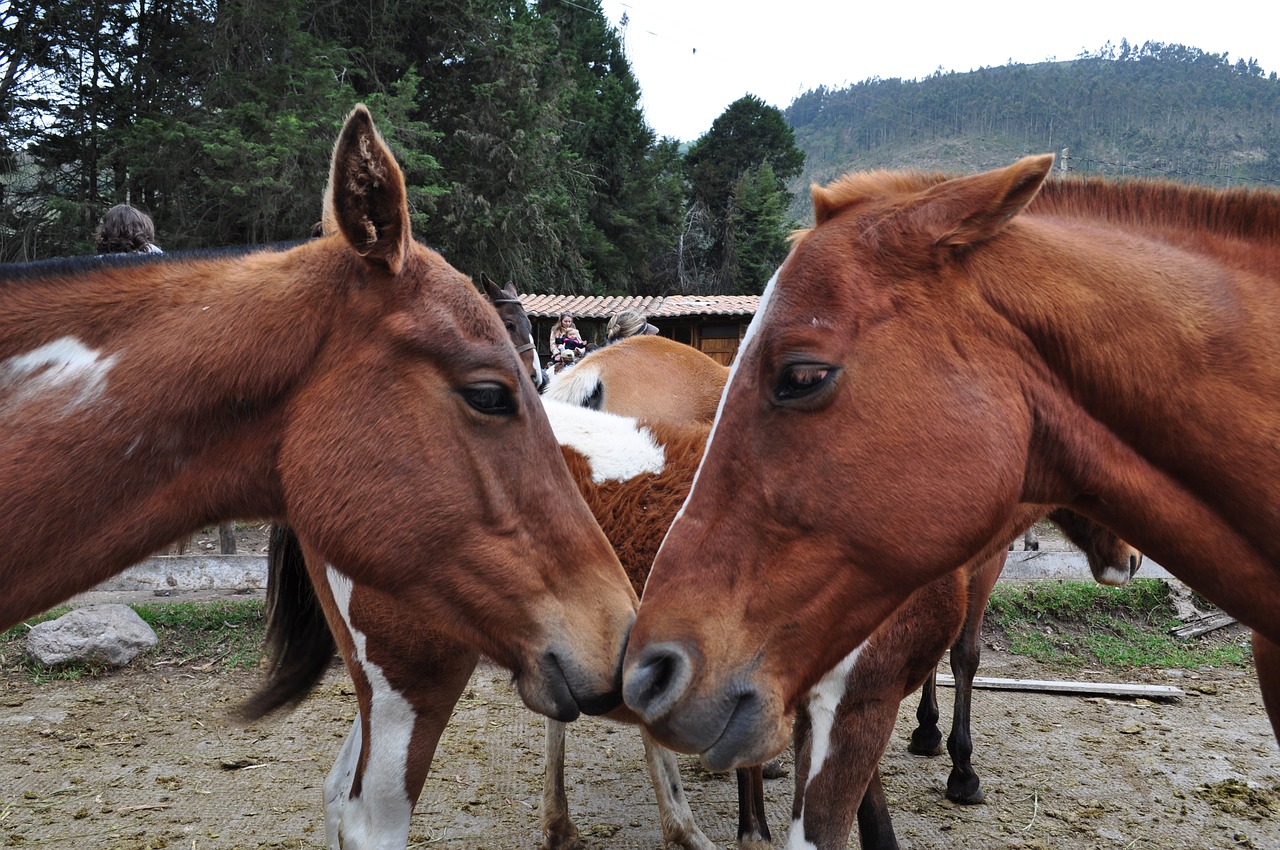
(967, 798)
(926, 745)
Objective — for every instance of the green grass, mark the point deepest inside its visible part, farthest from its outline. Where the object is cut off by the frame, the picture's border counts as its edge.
(1076, 624)
(1063, 624)
(205, 636)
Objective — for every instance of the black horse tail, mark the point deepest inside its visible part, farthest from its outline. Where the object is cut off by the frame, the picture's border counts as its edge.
(299, 644)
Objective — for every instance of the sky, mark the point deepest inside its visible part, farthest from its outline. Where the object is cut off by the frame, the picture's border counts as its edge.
(695, 57)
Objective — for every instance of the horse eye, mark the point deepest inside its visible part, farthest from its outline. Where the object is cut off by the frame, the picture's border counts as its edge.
(804, 381)
(489, 399)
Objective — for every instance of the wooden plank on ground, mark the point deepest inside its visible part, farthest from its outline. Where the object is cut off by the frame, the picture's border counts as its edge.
(1206, 624)
(1111, 689)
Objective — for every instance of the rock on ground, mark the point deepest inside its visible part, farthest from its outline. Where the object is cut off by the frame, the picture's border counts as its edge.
(109, 632)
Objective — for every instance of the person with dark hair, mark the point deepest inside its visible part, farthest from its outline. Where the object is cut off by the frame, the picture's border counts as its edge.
(125, 229)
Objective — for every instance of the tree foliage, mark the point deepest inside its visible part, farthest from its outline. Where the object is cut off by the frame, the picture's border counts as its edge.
(737, 173)
(518, 127)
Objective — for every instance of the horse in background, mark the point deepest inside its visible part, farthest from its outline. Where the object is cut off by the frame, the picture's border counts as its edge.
(986, 341)
(355, 385)
(646, 377)
(515, 319)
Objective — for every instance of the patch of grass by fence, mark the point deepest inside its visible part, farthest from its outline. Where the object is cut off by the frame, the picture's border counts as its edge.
(1075, 624)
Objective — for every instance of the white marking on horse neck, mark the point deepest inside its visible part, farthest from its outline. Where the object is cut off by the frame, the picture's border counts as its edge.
(824, 699)
(617, 448)
(379, 817)
(64, 365)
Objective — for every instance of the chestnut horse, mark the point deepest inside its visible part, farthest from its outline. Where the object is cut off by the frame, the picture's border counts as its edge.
(144, 398)
(633, 479)
(932, 354)
(912, 642)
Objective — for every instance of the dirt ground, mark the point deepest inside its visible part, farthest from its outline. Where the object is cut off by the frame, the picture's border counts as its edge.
(143, 758)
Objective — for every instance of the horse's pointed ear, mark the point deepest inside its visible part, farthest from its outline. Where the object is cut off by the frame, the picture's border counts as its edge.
(971, 209)
(491, 289)
(366, 198)
(510, 289)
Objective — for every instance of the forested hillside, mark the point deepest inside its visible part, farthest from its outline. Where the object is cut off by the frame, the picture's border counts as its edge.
(1156, 111)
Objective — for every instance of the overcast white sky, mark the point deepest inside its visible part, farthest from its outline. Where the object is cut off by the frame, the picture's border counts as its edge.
(695, 57)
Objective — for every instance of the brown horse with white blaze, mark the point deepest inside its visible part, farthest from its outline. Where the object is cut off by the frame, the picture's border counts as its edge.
(932, 354)
(356, 386)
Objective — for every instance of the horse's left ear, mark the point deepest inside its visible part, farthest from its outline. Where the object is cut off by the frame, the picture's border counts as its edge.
(971, 209)
(510, 289)
(366, 198)
(490, 288)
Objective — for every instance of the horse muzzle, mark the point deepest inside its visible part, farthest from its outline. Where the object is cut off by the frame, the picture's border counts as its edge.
(731, 725)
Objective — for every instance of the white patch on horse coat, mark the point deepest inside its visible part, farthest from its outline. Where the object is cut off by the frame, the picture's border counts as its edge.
(824, 699)
(574, 386)
(539, 378)
(617, 447)
(379, 818)
(752, 330)
(63, 365)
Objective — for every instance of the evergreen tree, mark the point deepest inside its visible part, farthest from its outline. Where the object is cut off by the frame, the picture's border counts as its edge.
(630, 214)
(738, 173)
(758, 219)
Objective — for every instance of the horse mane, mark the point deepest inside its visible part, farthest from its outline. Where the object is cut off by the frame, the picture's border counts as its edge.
(1251, 213)
(66, 266)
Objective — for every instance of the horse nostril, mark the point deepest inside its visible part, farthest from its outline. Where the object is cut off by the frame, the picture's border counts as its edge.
(1135, 561)
(657, 681)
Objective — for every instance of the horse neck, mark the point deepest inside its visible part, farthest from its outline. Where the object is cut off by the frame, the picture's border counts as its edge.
(191, 364)
(1146, 350)
(1240, 227)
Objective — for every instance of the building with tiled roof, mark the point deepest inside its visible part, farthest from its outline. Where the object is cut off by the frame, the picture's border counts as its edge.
(712, 323)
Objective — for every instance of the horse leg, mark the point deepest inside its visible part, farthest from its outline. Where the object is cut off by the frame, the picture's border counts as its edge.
(407, 680)
(832, 790)
(753, 821)
(926, 740)
(558, 831)
(875, 826)
(1266, 660)
(678, 826)
(963, 784)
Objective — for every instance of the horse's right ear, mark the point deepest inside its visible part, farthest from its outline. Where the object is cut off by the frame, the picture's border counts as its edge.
(366, 198)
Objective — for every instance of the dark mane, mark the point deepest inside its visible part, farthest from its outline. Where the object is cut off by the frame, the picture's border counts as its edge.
(64, 266)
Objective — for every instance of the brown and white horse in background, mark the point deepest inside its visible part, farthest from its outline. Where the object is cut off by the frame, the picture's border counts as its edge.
(356, 386)
(647, 377)
(933, 355)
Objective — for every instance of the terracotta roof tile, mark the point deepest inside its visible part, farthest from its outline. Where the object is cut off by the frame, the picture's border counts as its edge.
(660, 307)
